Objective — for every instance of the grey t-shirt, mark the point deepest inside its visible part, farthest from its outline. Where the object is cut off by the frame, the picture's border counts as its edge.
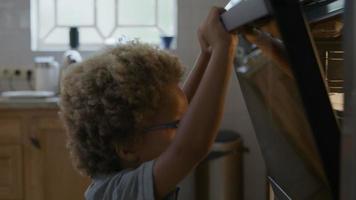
(133, 184)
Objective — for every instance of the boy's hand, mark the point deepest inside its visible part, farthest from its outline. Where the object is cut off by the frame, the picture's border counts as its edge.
(212, 34)
(204, 46)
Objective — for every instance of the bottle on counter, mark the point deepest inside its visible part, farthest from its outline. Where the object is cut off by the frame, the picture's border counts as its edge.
(72, 55)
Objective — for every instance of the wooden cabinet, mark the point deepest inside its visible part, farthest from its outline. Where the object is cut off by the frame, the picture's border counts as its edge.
(34, 160)
(11, 172)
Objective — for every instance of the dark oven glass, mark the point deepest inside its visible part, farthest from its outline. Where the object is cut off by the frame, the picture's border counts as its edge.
(289, 67)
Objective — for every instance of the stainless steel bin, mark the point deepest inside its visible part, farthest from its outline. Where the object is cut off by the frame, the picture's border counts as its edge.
(219, 176)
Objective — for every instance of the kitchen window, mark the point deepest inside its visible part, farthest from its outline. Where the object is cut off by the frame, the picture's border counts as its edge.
(100, 22)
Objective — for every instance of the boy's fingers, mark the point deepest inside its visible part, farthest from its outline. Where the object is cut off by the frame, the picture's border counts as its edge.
(214, 11)
(217, 9)
(202, 42)
(221, 10)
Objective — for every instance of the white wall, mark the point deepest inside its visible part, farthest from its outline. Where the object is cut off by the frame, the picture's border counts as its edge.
(15, 51)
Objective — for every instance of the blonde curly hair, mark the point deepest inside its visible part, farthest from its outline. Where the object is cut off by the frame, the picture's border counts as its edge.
(105, 100)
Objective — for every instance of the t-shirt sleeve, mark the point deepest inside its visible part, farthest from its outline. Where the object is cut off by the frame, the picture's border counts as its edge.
(136, 184)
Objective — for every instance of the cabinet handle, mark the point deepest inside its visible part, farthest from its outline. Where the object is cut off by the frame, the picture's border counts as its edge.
(35, 142)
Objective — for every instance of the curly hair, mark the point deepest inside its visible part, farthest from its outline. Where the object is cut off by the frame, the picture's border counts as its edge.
(105, 100)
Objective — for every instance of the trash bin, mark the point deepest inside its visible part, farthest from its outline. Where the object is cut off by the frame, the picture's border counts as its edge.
(219, 176)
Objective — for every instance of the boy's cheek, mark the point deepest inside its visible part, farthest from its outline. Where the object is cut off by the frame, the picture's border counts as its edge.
(155, 145)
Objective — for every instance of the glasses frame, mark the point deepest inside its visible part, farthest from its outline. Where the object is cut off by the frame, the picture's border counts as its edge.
(168, 125)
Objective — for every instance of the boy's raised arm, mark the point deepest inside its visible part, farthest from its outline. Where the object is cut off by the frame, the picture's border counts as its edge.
(199, 126)
(195, 75)
(191, 84)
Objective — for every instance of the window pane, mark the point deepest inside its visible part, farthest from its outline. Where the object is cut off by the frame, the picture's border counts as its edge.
(100, 22)
(167, 16)
(46, 21)
(58, 36)
(136, 12)
(149, 34)
(75, 13)
(89, 36)
(105, 16)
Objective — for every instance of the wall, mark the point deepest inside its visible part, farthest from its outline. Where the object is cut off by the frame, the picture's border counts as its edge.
(15, 51)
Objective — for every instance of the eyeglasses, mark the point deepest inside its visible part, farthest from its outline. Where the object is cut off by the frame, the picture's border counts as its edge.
(163, 126)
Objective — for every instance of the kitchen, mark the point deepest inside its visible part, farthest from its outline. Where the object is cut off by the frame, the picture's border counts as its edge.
(34, 133)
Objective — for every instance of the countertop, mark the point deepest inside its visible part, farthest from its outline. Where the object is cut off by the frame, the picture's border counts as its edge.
(29, 103)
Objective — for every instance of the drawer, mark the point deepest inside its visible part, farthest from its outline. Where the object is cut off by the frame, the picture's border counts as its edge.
(46, 121)
(10, 130)
(11, 172)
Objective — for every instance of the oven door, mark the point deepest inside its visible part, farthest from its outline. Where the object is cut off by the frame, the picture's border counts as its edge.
(284, 84)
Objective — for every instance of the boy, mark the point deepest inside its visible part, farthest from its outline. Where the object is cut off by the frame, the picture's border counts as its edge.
(122, 110)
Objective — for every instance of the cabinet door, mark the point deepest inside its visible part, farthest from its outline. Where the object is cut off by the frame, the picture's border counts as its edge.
(11, 172)
(11, 129)
(51, 175)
